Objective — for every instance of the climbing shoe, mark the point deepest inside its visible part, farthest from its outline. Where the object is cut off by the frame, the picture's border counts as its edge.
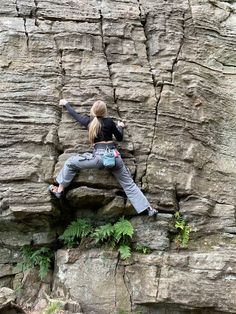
(56, 194)
(152, 212)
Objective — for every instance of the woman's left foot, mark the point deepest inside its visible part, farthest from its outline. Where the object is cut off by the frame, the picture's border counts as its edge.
(54, 190)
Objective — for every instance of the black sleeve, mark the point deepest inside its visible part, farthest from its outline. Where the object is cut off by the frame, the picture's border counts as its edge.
(82, 119)
(117, 131)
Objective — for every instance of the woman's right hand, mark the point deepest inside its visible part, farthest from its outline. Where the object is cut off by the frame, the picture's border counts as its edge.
(63, 102)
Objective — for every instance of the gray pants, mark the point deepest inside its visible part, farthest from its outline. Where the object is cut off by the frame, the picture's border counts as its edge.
(120, 171)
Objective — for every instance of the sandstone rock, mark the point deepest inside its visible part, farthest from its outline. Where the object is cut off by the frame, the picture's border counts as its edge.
(85, 197)
(192, 275)
(7, 295)
(87, 266)
(153, 232)
(173, 278)
(113, 209)
(33, 290)
(167, 69)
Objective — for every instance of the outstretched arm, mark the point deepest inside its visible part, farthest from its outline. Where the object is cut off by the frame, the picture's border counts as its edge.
(117, 130)
(82, 119)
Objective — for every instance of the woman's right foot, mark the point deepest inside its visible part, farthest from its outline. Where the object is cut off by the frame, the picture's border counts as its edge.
(152, 211)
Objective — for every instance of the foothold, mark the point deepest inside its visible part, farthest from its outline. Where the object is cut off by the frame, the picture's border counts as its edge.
(198, 103)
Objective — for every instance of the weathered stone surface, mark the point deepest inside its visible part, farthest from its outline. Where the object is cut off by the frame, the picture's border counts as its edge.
(6, 295)
(87, 266)
(113, 209)
(172, 278)
(197, 277)
(153, 232)
(167, 69)
(85, 197)
(32, 290)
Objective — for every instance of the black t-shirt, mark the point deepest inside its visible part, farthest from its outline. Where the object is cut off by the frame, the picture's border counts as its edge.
(108, 126)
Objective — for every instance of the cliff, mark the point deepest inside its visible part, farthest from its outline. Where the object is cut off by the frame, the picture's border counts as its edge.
(167, 70)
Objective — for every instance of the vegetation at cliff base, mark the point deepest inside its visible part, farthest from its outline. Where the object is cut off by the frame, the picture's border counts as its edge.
(41, 258)
(118, 235)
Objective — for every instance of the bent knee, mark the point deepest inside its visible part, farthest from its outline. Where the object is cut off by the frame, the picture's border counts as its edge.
(72, 163)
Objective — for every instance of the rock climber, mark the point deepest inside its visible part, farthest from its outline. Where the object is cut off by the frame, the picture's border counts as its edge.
(100, 133)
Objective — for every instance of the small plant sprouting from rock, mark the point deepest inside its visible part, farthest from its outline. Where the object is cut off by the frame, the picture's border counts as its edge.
(123, 312)
(183, 229)
(116, 235)
(41, 258)
(143, 249)
(53, 307)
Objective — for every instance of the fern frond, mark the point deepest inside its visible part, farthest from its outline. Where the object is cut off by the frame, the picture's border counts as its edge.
(44, 266)
(125, 251)
(103, 233)
(78, 229)
(123, 228)
(41, 258)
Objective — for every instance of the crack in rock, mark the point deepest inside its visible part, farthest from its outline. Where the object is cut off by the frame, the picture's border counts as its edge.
(17, 8)
(154, 133)
(207, 67)
(61, 69)
(35, 12)
(62, 74)
(179, 50)
(115, 274)
(158, 276)
(176, 198)
(26, 33)
(128, 291)
(104, 46)
(143, 21)
(191, 16)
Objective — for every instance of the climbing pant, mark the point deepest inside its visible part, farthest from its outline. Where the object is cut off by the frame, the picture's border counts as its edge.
(120, 172)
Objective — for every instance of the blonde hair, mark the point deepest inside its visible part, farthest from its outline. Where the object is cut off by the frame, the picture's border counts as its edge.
(98, 110)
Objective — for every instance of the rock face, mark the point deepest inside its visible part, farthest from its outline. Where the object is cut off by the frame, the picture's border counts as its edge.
(165, 68)
(159, 283)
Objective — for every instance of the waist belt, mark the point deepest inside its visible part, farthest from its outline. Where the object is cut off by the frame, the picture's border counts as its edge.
(104, 146)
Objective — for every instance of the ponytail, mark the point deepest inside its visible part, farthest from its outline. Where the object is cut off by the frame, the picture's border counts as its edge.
(94, 128)
(98, 110)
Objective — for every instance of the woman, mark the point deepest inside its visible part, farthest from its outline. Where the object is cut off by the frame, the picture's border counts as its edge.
(100, 132)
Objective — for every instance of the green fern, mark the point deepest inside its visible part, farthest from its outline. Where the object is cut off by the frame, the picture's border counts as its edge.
(123, 229)
(115, 235)
(76, 231)
(104, 233)
(125, 251)
(41, 258)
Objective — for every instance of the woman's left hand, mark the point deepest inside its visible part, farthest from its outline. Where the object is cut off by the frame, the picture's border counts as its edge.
(63, 102)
